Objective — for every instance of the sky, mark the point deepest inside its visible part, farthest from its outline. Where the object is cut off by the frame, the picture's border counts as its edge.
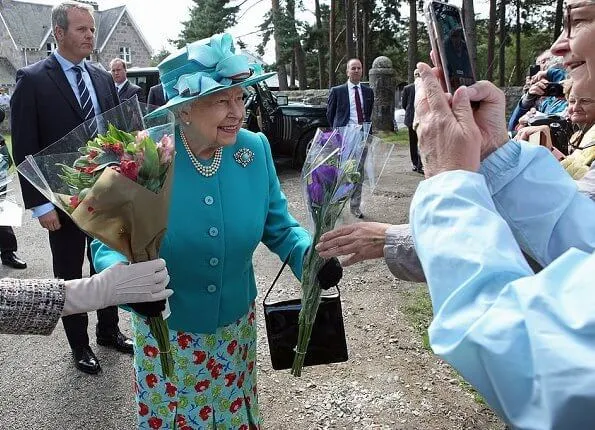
(162, 20)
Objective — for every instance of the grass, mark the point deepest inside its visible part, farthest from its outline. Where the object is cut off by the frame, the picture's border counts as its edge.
(417, 306)
(400, 137)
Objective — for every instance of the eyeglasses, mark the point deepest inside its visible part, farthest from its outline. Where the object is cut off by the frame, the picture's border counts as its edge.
(567, 21)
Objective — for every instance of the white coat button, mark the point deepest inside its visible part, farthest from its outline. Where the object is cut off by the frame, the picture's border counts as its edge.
(212, 288)
(209, 200)
(213, 231)
(214, 261)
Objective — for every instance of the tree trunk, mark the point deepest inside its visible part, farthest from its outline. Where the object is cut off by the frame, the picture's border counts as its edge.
(491, 40)
(300, 60)
(502, 42)
(332, 77)
(519, 72)
(319, 44)
(293, 72)
(470, 32)
(558, 19)
(412, 44)
(357, 28)
(281, 70)
(365, 43)
(349, 45)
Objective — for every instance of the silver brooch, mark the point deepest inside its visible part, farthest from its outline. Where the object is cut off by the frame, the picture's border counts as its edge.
(244, 156)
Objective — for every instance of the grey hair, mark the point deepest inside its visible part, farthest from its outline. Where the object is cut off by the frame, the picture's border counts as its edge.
(117, 60)
(60, 12)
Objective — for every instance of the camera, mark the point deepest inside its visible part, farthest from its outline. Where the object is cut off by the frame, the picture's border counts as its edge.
(561, 130)
(534, 69)
(554, 89)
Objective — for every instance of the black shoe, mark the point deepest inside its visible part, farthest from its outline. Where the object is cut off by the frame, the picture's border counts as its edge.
(414, 169)
(12, 260)
(357, 213)
(117, 341)
(420, 170)
(85, 360)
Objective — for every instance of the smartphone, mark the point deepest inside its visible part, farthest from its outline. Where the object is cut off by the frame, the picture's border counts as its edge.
(554, 89)
(534, 69)
(449, 43)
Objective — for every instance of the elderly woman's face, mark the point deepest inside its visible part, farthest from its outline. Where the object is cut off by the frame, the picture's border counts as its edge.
(217, 118)
(581, 104)
(578, 49)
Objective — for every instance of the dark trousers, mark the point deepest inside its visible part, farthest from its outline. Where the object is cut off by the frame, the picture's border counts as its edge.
(68, 245)
(413, 151)
(8, 241)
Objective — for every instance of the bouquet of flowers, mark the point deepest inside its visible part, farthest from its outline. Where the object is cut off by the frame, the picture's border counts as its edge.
(331, 171)
(114, 185)
(11, 213)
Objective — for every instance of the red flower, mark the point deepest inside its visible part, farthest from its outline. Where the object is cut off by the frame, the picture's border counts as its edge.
(152, 380)
(186, 428)
(143, 409)
(241, 380)
(205, 412)
(93, 153)
(243, 427)
(232, 347)
(235, 405)
(216, 371)
(129, 169)
(184, 340)
(199, 357)
(172, 406)
(74, 202)
(250, 366)
(89, 169)
(202, 385)
(229, 379)
(155, 423)
(211, 363)
(150, 351)
(181, 421)
(170, 389)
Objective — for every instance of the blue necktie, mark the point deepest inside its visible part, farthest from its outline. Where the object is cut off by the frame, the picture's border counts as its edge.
(85, 101)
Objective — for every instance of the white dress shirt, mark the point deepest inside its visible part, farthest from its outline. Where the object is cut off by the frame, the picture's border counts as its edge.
(352, 109)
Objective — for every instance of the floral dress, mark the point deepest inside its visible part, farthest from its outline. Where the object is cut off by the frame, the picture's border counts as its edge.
(214, 386)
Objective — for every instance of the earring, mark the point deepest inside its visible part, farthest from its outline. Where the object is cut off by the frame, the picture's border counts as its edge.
(187, 123)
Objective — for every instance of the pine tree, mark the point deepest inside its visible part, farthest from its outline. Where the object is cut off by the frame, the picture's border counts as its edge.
(207, 17)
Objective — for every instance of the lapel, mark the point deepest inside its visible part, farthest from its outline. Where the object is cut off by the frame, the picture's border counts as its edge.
(101, 91)
(57, 75)
(124, 88)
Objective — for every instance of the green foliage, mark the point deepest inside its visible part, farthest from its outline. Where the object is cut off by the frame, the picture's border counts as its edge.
(159, 57)
(207, 17)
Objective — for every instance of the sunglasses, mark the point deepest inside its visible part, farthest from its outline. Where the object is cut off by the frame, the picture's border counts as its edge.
(569, 8)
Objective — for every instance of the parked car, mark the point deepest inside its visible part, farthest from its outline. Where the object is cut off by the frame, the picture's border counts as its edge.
(289, 126)
(144, 77)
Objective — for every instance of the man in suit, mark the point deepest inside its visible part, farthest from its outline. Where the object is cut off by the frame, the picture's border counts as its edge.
(126, 89)
(351, 103)
(157, 96)
(51, 98)
(408, 103)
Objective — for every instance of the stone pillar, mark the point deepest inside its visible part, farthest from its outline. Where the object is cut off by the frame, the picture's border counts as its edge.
(383, 82)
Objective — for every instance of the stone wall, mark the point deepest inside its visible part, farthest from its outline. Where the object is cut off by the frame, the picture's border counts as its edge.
(125, 35)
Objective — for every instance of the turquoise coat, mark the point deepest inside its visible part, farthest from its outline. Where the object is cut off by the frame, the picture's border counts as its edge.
(215, 224)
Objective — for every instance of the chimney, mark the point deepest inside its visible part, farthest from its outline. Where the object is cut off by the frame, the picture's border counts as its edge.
(89, 2)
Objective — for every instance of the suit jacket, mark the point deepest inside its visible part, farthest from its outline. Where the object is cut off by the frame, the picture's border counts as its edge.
(337, 109)
(128, 91)
(44, 109)
(209, 257)
(156, 95)
(408, 103)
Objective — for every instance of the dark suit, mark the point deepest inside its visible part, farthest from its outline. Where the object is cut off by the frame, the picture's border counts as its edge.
(156, 96)
(338, 112)
(44, 108)
(337, 109)
(128, 91)
(408, 103)
(8, 241)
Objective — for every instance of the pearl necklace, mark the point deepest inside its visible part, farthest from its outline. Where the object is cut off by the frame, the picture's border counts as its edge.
(201, 168)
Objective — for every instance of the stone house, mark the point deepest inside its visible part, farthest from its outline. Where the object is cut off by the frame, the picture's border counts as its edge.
(26, 37)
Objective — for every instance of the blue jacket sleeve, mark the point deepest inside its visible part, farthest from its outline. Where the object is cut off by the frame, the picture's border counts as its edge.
(523, 340)
(331, 107)
(539, 201)
(282, 233)
(104, 256)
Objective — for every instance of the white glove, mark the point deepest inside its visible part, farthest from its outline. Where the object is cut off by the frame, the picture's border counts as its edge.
(120, 284)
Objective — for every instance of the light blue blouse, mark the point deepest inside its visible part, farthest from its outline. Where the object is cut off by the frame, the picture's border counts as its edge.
(525, 341)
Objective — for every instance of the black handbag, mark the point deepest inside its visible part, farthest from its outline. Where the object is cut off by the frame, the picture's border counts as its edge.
(327, 342)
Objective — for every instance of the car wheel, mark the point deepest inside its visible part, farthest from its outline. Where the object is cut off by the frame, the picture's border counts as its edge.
(302, 149)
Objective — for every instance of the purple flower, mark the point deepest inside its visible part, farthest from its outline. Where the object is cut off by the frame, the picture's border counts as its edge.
(332, 138)
(316, 193)
(325, 175)
(343, 191)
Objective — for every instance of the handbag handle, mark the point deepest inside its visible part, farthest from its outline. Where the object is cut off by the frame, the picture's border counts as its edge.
(277, 278)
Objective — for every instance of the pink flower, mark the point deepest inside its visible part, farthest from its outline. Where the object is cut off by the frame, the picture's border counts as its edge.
(165, 147)
(129, 169)
(141, 135)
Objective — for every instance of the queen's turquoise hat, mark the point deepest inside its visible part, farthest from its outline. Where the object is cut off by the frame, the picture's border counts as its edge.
(205, 67)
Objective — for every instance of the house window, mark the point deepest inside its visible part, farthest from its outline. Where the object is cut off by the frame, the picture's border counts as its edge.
(49, 47)
(125, 54)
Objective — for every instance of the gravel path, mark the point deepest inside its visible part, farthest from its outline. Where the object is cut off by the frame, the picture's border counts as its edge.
(389, 382)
